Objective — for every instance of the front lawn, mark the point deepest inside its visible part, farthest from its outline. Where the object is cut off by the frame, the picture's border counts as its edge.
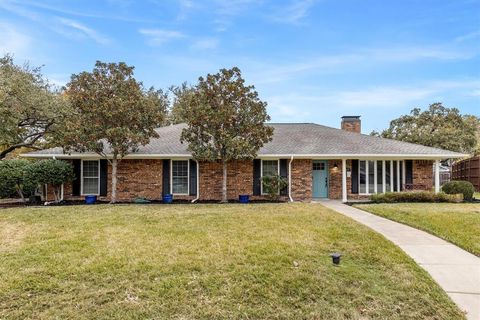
(458, 223)
(206, 262)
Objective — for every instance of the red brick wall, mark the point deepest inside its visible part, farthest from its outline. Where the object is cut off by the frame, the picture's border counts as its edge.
(335, 179)
(352, 126)
(143, 178)
(239, 179)
(422, 174)
(137, 178)
(302, 180)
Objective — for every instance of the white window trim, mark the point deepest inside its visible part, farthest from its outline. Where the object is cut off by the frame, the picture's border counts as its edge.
(261, 174)
(188, 177)
(384, 176)
(81, 179)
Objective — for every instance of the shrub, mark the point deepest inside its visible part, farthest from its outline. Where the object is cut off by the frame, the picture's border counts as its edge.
(273, 184)
(414, 196)
(15, 178)
(463, 187)
(52, 172)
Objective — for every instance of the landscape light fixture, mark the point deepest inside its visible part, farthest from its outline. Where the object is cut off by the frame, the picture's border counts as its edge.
(336, 258)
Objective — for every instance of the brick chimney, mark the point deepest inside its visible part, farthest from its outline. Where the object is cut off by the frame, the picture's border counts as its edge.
(352, 124)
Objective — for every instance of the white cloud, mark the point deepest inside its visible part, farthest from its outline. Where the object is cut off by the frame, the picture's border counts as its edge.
(346, 62)
(468, 36)
(205, 44)
(185, 6)
(299, 106)
(233, 7)
(160, 36)
(85, 31)
(226, 10)
(13, 41)
(294, 12)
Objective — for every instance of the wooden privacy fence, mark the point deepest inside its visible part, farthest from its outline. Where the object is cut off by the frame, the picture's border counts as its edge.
(468, 170)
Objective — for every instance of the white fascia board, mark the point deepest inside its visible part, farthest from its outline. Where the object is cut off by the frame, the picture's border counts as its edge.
(365, 156)
(265, 156)
(96, 156)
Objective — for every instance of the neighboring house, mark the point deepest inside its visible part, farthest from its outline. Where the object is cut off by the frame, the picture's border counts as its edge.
(318, 161)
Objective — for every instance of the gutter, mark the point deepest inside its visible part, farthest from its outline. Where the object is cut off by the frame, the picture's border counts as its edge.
(365, 156)
(198, 183)
(290, 179)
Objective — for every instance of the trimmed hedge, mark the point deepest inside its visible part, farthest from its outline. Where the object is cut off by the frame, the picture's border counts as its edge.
(15, 179)
(464, 187)
(415, 196)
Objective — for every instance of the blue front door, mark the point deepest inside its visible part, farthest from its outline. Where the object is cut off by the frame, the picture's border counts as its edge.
(320, 179)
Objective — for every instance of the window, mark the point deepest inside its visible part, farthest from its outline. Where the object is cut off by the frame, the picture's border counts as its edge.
(180, 173)
(318, 166)
(387, 176)
(379, 176)
(372, 176)
(363, 177)
(90, 177)
(269, 168)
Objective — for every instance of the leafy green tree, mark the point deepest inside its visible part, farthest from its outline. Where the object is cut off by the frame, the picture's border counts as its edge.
(225, 120)
(113, 113)
(52, 172)
(181, 97)
(29, 107)
(437, 126)
(15, 177)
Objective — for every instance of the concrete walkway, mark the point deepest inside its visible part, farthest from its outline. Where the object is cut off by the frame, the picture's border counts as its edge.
(454, 269)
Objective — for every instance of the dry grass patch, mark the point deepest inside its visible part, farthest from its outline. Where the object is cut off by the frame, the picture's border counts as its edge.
(208, 262)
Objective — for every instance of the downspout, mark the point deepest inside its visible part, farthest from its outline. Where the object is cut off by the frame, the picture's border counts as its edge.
(198, 183)
(290, 179)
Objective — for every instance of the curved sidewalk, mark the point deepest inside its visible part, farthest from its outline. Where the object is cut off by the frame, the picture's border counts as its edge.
(455, 270)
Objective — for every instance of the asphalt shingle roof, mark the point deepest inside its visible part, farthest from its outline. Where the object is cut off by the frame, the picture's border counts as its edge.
(295, 139)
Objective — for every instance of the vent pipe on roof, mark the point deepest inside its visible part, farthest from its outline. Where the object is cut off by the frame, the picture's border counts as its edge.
(352, 124)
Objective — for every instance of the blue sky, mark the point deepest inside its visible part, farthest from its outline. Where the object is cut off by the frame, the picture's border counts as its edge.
(312, 61)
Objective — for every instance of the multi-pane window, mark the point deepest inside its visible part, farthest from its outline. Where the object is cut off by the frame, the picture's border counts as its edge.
(363, 176)
(376, 176)
(379, 176)
(318, 166)
(387, 177)
(90, 177)
(269, 168)
(180, 176)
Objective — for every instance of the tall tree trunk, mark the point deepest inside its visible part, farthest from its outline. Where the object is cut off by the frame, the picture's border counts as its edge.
(114, 179)
(224, 184)
(20, 193)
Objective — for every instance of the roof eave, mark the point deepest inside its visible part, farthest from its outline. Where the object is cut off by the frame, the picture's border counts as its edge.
(286, 155)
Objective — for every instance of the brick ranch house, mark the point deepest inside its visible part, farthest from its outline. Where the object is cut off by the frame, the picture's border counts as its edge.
(318, 162)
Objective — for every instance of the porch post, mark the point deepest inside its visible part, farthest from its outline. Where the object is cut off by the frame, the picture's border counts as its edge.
(437, 176)
(384, 177)
(344, 180)
(398, 176)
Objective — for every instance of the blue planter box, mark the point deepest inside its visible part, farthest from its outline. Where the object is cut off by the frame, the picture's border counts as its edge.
(167, 198)
(90, 199)
(244, 198)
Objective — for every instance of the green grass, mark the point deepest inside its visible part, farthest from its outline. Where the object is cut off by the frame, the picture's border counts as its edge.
(206, 262)
(458, 223)
(476, 195)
